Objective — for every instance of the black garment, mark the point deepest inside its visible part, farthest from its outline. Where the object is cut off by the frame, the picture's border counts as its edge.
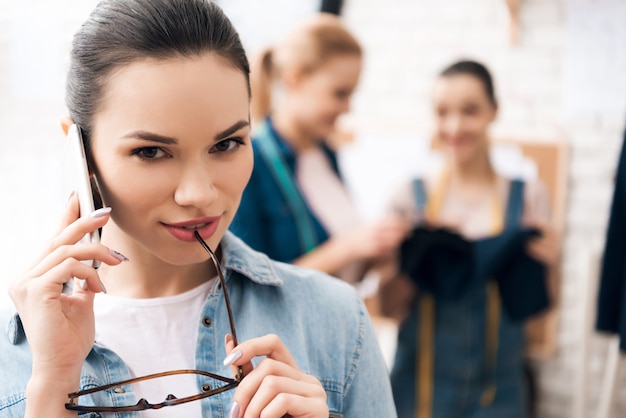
(445, 264)
(611, 308)
(332, 6)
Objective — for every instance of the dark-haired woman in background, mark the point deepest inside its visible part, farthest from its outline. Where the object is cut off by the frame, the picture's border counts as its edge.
(460, 347)
(160, 91)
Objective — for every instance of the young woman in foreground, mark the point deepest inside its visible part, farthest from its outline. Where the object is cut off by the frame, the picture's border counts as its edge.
(160, 91)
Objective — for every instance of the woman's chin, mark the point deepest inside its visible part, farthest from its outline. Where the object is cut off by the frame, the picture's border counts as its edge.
(462, 155)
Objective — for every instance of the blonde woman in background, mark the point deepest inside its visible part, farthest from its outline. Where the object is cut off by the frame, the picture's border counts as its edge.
(295, 207)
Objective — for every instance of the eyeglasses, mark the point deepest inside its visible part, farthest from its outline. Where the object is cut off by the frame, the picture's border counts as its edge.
(171, 400)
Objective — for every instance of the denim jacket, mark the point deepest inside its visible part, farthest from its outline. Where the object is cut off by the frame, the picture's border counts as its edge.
(320, 319)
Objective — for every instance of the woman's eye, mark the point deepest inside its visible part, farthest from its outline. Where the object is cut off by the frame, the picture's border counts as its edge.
(227, 145)
(342, 94)
(470, 110)
(149, 153)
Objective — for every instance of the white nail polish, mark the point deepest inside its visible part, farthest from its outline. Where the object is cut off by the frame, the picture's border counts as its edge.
(232, 357)
(100, 212)
(234, 410)
(70, 197)
(118, 255)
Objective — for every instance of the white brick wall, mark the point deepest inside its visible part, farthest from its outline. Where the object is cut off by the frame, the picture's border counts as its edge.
(407, 42)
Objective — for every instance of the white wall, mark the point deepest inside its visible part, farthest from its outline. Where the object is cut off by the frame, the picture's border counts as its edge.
(34, 44)
(407, 42)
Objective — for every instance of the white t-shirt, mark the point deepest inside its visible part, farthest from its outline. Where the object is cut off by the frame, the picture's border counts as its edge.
(152, 336)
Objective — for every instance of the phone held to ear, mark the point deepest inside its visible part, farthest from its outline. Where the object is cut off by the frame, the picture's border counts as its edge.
(77, 179)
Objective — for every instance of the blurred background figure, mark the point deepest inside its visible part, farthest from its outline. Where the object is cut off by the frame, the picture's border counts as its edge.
(610, 315)
(611, 309)
(295, 207)
(473, 270)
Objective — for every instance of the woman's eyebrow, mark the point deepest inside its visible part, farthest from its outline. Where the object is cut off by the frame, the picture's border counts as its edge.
(234, 128)
(152, 137)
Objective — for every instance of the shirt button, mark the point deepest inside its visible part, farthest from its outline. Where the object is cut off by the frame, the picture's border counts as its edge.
(206, 387)
(119, 390)
(206, 321)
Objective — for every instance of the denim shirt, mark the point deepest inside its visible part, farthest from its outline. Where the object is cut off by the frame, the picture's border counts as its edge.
(265, 220)
(321, 320)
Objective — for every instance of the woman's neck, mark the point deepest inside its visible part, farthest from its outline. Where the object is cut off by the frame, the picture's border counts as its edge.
(476, 171)
(287, 126)
(146, 276)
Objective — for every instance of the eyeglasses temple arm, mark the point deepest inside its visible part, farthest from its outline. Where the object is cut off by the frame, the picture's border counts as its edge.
(223, 283)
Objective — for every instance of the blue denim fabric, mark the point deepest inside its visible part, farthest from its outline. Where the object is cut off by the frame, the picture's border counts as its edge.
(460, 373)
(320, 319)
(459, 354)
(264, 219)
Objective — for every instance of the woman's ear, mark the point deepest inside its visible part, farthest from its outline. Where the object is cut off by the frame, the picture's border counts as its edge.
(494, 114)
(66, 122)
(292, 78)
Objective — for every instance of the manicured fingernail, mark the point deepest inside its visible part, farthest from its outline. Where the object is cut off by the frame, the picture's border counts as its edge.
(118, 255)
(232, 357)
(234, 410)
(227, 339)
(100, 212)
(70, 197)
(84, 285)
(104, 289)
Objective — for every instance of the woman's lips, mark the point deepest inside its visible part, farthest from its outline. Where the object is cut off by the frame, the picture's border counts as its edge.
(184, 231)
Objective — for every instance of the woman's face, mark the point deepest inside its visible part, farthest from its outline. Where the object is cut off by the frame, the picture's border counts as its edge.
(320, 97)
(463, 113)
(171, 145)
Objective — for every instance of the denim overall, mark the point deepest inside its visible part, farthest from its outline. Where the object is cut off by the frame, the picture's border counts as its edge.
(462, 357)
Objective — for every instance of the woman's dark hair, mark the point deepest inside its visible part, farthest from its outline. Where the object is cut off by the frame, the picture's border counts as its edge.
(475, 69)
(119, 32)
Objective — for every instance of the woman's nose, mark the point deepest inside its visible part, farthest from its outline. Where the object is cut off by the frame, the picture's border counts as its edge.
(196, 186)
(453, 125)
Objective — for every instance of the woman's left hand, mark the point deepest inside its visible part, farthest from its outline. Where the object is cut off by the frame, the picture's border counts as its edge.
(546, 247)
(276, 387)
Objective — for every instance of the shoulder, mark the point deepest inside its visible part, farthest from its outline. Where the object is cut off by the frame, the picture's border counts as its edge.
(403, 197)
(293, 290)
(536, 199)
(315, 283)
(535, 190)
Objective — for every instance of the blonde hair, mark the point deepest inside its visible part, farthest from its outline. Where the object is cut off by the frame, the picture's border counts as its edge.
(307, 48)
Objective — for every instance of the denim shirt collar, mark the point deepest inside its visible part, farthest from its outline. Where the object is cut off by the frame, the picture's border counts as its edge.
(251, 264)
(237, 257)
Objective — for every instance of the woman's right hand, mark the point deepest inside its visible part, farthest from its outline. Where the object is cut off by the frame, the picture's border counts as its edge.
(60, 328)
(378, 240)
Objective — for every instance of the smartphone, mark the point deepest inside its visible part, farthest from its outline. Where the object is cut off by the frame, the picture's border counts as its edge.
(77, 179)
